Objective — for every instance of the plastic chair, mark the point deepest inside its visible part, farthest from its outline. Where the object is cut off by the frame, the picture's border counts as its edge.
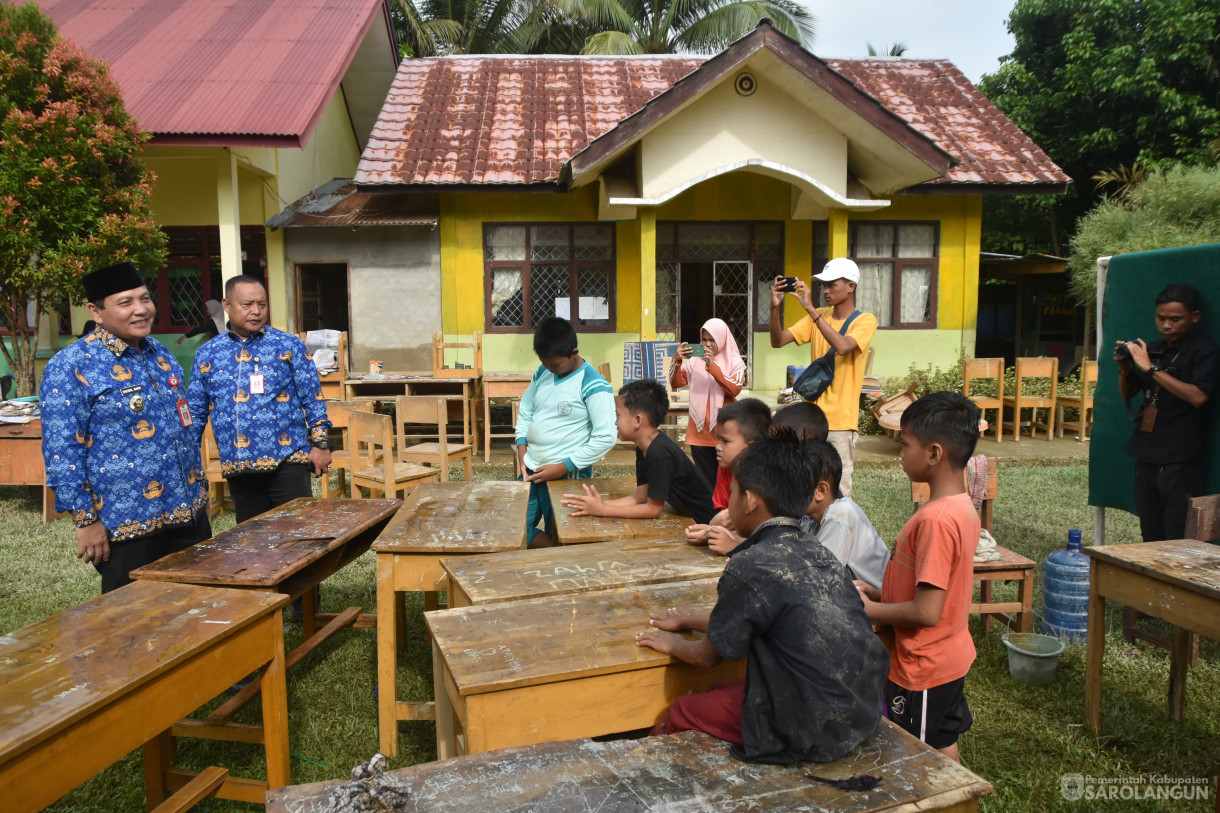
(429, 410)
(990, 370)
(373, 464)
(1019, 400)
(1083, 402)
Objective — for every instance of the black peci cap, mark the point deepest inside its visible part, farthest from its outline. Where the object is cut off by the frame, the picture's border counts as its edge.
(112, 279)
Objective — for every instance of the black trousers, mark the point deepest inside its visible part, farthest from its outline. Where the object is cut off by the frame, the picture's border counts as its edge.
(705, 461)
(258, 492)
(133, 554)
(1162, 494)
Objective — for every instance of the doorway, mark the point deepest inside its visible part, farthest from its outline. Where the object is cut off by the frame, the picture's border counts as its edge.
(322, 297)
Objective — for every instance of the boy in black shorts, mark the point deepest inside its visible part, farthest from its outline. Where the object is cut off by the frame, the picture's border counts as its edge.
(663, 473)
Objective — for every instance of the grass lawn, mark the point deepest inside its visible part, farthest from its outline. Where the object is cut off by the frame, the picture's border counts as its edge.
(1024, 737)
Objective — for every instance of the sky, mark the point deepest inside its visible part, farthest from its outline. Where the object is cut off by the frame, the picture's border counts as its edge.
(969, 33)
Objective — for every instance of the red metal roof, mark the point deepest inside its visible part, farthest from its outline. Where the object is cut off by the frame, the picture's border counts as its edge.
(519, 119)
(221, 72)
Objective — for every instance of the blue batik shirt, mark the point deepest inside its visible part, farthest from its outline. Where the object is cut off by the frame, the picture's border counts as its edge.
(257, 432)
(112, 438)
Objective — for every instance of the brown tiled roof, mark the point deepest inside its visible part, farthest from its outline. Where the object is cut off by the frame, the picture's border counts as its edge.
(939, 101)
(255, 72)
(519, 119)
(340, 203)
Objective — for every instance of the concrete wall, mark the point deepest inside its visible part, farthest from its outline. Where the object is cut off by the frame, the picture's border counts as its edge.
(394, 288)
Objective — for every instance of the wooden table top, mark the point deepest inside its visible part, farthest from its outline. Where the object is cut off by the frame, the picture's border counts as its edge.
(508, 375)
(685, 771)
(267, 550)
(579, 568)
(1186, 563)
(523, 643)
(408, 376)
(483, 516)
(64, 667)
(1008, 560)
(570, 530)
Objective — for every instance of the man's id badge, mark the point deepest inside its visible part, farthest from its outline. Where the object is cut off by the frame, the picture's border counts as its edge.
(256, 383)
(184, 413)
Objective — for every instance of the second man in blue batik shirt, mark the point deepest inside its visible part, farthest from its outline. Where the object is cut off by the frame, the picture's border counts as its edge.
(264, 398)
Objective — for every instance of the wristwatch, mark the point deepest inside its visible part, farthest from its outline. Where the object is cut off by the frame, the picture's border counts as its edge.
(1153, 369)
(322, 444)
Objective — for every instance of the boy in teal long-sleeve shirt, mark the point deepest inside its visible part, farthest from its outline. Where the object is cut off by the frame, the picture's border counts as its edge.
(565, 423)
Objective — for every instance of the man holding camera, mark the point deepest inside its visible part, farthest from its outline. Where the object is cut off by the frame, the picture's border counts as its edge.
(819, 328)
(1178, 376)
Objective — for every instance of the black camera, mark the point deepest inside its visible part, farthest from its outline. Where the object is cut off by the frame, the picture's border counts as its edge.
(1123, 353)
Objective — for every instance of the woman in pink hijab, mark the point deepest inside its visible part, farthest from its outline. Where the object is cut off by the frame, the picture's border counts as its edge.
(715, 378)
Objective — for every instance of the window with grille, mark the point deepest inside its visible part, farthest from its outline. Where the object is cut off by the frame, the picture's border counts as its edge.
(192, 273)
(533, 271)
(899, 265)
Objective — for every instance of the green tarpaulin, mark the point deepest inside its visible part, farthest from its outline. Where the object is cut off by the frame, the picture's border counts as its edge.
(1128, 312)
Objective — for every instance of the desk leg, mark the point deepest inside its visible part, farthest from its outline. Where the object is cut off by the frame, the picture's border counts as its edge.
(387, 655)
(275, 711)
(486, 427)
(159, 757)
(1095, 654)
(443, 708)
(1179, 663)
(1026, 595)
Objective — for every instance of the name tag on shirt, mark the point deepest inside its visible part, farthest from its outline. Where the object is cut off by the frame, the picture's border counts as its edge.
(256, 383)
(131, 390)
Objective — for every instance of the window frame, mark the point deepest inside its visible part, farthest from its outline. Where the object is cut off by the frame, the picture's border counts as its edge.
(610, 266)
(898, 264)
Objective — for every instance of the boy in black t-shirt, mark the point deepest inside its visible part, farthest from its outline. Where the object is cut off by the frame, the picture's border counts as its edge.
(814, 668)
(663, 472)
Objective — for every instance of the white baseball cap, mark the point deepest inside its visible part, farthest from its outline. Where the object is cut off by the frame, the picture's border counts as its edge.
(840, 268)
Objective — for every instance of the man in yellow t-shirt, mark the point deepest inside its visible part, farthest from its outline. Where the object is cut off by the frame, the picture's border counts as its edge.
(819, 328)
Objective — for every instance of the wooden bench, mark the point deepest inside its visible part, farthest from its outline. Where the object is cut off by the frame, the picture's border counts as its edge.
(576, 569)
(290, 550)
(1010, 567)
(85, 687)
(570, 530)
(562, 666)
(436, 520)
(685, 771)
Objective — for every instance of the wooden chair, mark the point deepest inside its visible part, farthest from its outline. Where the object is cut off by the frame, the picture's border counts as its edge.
(888, 410)
(209, 454)
(439, 346)
(339, 413)
(604, 369)
(430, 410)
(1019, 400)
(1202, 522)
(990, 370)
(332, 382)
(373, 464)
(1083, 402)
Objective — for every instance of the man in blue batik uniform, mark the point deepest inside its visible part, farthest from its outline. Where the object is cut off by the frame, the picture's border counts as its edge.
(266, 406)
(117, 439)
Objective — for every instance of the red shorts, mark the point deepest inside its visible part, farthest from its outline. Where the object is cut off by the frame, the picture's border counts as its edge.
(716, 711)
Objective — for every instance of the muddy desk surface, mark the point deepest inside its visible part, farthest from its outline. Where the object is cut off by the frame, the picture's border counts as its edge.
(1177, 581)
(686, 771)
(83, 688)
(436, 520)
(570, 530)
(576, 569)
(550, 668)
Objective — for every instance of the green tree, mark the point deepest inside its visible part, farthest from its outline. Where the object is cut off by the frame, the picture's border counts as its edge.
(897, 49)
(671, 26)
(73, 192)
(438, 27)
(1100, 84)
(1173, 207)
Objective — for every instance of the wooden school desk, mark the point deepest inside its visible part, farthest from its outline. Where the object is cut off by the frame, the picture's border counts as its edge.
(689, 770)
(1177, 581)
(576, 569)
(435, 521)
(421, 383)
(561, 666)
(501, 384)
(570, 530)
(290, 550)
(83, 688)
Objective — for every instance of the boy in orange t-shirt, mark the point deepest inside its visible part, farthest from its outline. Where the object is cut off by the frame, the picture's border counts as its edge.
(928, 585)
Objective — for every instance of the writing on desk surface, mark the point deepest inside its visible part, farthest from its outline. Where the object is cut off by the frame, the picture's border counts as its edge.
(477, 656)
(596, 573)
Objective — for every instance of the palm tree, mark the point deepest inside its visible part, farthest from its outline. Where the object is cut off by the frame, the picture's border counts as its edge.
(662, 26)
(897, 49)
(437, 27)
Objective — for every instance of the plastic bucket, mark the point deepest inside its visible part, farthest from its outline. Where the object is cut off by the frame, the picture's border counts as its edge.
(1032, 658)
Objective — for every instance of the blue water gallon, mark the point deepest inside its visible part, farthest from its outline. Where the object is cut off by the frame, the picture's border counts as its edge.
(1065, 591)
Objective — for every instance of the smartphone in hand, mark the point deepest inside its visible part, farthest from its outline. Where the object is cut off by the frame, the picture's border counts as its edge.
(697, 350)
(786, 284)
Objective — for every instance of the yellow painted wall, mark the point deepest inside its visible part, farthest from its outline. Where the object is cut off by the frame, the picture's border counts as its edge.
(331, 152)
